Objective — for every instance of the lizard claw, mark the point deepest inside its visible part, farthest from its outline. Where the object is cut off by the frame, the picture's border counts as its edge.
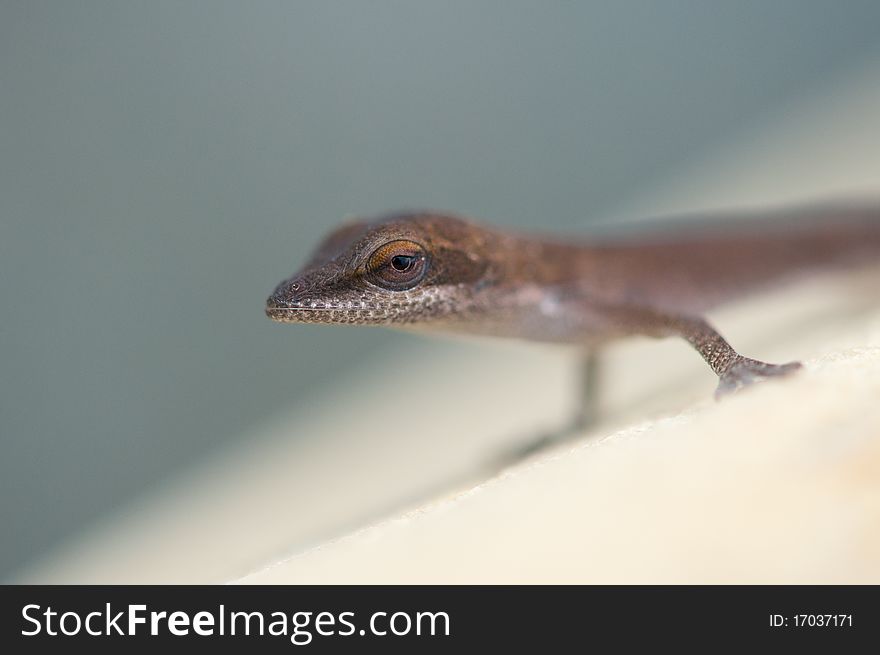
(745, 372)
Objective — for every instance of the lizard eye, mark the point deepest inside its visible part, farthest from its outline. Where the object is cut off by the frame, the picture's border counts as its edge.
(398, 265)
(402, 262)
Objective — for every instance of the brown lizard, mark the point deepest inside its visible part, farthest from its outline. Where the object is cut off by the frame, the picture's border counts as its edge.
(438, 272)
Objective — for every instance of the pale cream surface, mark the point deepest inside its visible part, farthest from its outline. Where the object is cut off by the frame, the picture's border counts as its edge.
(781, 485)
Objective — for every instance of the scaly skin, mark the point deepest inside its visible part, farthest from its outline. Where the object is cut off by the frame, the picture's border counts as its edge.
(437, 272)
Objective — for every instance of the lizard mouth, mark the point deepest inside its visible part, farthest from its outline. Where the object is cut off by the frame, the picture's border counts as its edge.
(300, 312)
(322, 313)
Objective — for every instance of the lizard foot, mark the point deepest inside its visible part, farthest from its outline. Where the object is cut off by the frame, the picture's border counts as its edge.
(745, 372)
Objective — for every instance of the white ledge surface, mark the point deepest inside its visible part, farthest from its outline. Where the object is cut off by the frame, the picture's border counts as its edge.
(780, 484)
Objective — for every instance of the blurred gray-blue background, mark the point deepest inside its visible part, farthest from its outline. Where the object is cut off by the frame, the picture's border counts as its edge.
(164, 164)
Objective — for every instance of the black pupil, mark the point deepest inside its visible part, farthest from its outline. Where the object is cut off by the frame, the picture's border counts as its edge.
(401, 262)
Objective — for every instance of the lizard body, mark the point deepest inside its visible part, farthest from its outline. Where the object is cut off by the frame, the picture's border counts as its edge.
(438, 272)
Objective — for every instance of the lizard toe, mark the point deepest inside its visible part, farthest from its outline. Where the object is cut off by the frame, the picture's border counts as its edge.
(746, 372)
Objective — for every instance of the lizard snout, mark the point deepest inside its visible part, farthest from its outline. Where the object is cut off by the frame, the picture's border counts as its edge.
(300, 301)
(275, 308)
(282, 301)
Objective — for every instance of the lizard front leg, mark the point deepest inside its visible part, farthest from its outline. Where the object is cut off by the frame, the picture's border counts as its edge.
(734, 370)
(586, 414)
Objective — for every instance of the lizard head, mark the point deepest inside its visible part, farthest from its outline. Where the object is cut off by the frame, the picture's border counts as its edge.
(401, 269)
